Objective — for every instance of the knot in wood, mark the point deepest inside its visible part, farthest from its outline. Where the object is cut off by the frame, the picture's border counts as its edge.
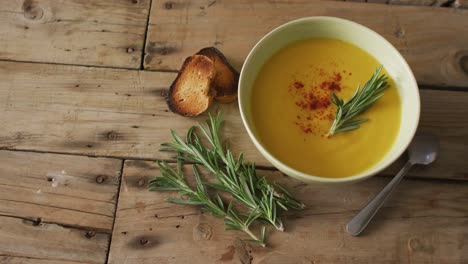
(135, 1)
(100, 179)
(90, 234)
(142, 182)
(400, 33)
(32, 10)
(163, 50)
(144, 241)
(168, 5)
(112, 135)
(37, 221)
(423, 245)
(202, 232)
(130, 50)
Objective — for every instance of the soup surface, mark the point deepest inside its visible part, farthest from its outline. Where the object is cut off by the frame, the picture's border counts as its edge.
(292, 112)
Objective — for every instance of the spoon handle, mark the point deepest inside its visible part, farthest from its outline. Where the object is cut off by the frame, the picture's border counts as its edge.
(360, 221)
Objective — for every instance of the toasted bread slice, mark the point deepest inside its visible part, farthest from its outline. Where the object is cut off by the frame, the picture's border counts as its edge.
(189, 94)
(227, 78)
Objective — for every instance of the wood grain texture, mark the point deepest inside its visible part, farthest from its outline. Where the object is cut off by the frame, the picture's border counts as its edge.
(436, 51)
(56, 208)
(103, 33)
(424, 222)
(121, 113)
(23, 242)
(70, 190)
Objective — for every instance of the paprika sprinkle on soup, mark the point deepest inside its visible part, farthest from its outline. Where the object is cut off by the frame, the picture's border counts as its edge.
(312, 97)
(298, 85)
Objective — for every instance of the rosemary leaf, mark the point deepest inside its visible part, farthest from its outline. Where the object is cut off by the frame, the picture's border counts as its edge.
(232, 175)
(360, 102)
(171, 180)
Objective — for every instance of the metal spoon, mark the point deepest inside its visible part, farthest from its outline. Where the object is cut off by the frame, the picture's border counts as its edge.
(422, 150)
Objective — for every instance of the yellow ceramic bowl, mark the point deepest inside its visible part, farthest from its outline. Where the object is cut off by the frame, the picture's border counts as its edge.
(360, 36)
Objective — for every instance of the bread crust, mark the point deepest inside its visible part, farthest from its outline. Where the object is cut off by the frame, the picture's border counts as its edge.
(190, 93)
(227, 78)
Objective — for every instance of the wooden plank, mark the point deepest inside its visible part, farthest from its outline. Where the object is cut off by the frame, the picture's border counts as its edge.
(120, 113)
(56, 208)
(23, 242)
(424, 222)
(104, 33)
(436, 51)
(70, 190)
(438, 109)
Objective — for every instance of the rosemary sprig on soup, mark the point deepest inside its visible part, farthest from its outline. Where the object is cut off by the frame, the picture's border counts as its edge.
(296, 102)
(361, 100)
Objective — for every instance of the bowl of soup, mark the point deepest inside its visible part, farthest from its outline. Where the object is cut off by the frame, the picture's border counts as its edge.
(285, 91)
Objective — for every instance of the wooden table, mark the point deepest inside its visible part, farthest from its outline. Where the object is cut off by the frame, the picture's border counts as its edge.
(82, 116)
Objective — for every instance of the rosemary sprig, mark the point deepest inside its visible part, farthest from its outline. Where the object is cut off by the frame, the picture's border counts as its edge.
(232, 175)
(361, 100)
(173, 180)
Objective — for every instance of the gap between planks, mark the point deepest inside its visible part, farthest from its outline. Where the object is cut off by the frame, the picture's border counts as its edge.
(143, 50)
(122, 166)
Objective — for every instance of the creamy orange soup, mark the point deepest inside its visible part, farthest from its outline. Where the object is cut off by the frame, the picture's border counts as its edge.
(292, 112)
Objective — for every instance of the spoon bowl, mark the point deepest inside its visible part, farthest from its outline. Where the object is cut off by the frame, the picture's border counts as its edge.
(423, 149)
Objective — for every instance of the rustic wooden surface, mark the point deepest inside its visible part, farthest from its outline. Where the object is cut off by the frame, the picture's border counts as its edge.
(56, 208)
(180, 28)
(86, 80)
(101, 33)
(122, 113)
(425, 222)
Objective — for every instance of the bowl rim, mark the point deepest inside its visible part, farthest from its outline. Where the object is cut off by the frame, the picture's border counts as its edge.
(312, 178)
